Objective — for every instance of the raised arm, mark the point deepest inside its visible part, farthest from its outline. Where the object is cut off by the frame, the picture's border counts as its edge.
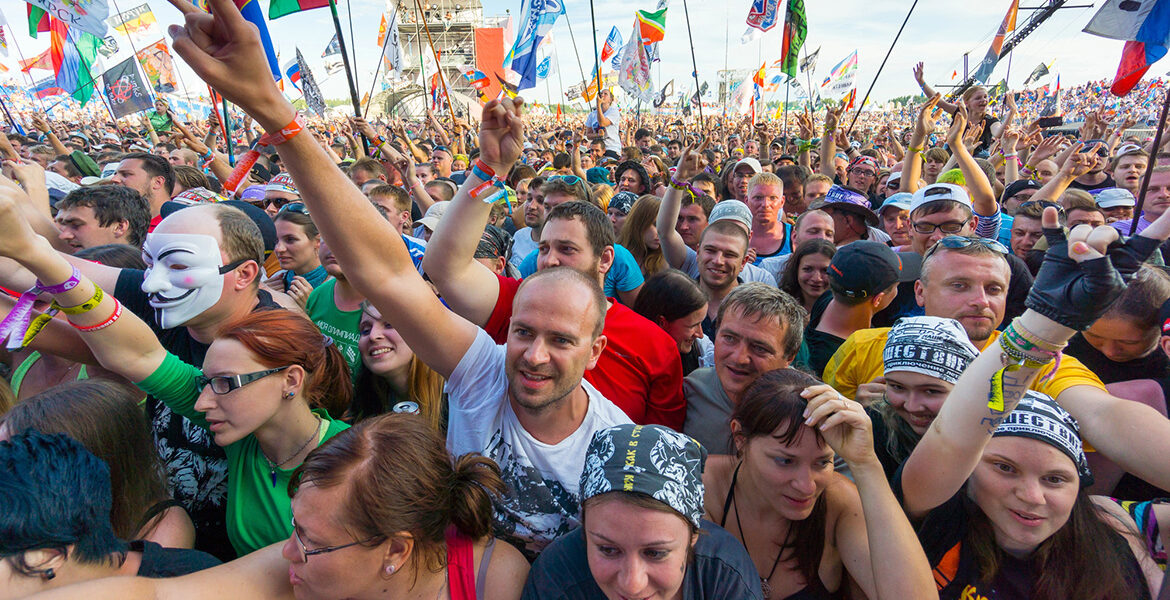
(469, 287)
(125, 345)
(828, 147)
(691, 163)
(912, 161)
(224, 50)
(1078, 163)
(875, 533)
(43, 126)
(982, 194)
(920, 77)
(1078, 281)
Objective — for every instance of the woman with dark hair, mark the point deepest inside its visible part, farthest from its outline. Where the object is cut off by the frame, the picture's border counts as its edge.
(657, 173)
(380, 510)
(642, 532)
(640, 236)
(810, 531)
(297, 242)
(806, 273)
(675, 303)
(392, 378)
(105, 417)
(269, 383)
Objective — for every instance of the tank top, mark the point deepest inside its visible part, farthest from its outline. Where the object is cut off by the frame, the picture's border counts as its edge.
(23, 368)
(462, 579)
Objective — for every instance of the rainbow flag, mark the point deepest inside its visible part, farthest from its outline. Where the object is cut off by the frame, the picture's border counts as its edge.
(652, 26)
(847, 64)
(74, 52)
(280, 8)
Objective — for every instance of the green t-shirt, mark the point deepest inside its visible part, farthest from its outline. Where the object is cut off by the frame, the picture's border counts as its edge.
(258, 513)
(341, 325)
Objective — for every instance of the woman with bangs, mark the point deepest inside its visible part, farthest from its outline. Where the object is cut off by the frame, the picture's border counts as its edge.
(640, 235)
(812, 533)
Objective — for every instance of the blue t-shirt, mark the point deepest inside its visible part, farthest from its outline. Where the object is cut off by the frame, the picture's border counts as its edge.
(623, 276)
(1005, 229)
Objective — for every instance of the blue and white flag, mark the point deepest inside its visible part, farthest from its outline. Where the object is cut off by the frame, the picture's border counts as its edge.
(539, 16)
(762, 16)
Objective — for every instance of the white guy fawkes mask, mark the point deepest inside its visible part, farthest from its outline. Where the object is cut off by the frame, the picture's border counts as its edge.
(184, 275)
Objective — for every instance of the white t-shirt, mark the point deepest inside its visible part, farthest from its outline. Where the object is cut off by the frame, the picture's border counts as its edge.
(522, 246)
(543, 500)
(613, 140)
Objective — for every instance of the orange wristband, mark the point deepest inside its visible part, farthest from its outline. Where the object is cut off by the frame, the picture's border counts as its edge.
(285, 134)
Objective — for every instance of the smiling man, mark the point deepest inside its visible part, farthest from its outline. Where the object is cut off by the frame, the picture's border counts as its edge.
(108, 214)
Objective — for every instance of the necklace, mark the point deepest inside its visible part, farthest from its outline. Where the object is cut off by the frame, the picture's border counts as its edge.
(273, 466)
(764, 581)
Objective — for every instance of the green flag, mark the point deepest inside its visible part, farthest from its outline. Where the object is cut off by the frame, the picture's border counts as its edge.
(38, 21)
(795, 28)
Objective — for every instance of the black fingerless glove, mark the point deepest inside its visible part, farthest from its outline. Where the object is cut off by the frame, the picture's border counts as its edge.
(1075, 294)
(1129, 255)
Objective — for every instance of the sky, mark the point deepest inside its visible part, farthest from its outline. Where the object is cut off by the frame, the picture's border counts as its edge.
(937, 33)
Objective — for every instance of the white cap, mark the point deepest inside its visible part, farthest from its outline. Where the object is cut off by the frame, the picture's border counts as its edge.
(940, 191)
(732, 210)
(1114, 197)
(434, 215)
(751, 162)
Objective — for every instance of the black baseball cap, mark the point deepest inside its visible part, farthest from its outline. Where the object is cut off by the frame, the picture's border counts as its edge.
(865, 268)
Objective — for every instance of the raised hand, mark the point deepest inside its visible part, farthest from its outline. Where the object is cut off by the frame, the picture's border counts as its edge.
(832, 116)
(40, 124)
(224, 50)
(958, 128)
(691, 162)
(363, 127)
(919, 75)
(1079, 163)
(501, 134)
(841, 421)
(926, 115)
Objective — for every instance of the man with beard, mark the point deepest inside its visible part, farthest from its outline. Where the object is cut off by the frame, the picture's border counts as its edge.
(151, 176)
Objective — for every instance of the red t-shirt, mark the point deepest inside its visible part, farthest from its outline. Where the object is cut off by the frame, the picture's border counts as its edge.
(639, 370)
(154, 221)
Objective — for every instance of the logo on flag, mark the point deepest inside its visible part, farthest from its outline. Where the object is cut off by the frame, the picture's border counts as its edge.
(539, 16)
(124, 89)
(763, 14)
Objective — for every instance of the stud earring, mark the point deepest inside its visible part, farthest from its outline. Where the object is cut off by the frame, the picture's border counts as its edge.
(49, 574)
(390, 569)
(290, 395)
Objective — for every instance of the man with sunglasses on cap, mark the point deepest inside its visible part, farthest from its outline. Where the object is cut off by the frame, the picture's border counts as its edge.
(280, 191)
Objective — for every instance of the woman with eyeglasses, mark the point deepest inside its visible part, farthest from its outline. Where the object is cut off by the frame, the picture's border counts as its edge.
(269, 384)
(297, 242)
(379, 511)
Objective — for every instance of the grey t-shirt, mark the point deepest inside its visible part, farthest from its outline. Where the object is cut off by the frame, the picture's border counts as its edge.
(721, 569)
(708, 411)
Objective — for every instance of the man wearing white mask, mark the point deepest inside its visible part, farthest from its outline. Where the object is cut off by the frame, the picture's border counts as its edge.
(203, 271)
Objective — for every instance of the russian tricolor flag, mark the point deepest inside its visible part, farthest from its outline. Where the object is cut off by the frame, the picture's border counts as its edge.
(1146, 31)
(292, 71)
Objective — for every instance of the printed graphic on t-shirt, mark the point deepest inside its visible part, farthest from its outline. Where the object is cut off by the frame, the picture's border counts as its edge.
(535, 511)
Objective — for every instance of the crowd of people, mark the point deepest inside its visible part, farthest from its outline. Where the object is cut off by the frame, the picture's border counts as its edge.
(619, 356)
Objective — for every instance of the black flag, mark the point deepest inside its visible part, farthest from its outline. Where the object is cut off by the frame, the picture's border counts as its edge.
(124, 88)
(312, 93)
(1037, 73)
(667, 90)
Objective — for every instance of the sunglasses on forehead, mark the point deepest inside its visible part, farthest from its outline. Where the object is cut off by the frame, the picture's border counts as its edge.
(956, 242)
(294, 207)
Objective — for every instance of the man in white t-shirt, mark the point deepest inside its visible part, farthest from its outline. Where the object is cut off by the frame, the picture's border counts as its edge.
(604, 121)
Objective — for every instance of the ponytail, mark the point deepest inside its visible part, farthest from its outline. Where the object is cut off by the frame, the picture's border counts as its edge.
(474, 481)
(331, 387)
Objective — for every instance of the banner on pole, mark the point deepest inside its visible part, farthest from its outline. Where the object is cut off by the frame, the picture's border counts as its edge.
(312, 93)
(159, 67)
(124, 89)
(138, 23)
(86, 15)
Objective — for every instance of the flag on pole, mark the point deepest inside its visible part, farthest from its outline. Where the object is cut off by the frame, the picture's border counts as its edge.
(762, 16)
(124, 89)
(44, 60)
(1040, 71)
(159, 67)
(38, 20)
(841, 79)
(47, 88)
(795, 29)
(652, 48)
(651, 26)
(280, 8)
(634, 75)
(983, 71)
(73, 52)
(292, 72)
(810, 61)
(1146, 31)
(334, 62)
(547, 52)
(612, 44)
(3, 38)
(250, 10)
(138, 23)
(539, 16)
(667, 90)
(1052, 108)
(312, 93)
(88, 15)
(392, 55)
(382, 31)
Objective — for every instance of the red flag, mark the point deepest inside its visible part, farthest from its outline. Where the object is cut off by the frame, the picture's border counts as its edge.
(42, 61)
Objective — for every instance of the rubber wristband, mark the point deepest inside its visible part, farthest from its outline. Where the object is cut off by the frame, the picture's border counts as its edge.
(103, 324)
(285, 133)
(84, 307)
(482, 166)
(913, 150)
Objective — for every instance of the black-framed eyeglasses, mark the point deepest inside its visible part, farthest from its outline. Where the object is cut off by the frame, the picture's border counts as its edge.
(306, 553)
(956, 242)
(296, 207)
(1043, 205)
(865, 172)
(224, 384)
(950, 227)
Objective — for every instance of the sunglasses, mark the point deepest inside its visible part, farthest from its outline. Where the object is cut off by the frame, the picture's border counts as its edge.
(277, 202)
(569, 179)
(956, 242)
(1042, 204)
(294, 207)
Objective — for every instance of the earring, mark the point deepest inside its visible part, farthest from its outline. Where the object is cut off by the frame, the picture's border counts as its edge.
(289, 395)
(49, 574)
(390, 569)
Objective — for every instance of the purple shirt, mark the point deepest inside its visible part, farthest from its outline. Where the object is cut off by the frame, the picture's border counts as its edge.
(1122, 227)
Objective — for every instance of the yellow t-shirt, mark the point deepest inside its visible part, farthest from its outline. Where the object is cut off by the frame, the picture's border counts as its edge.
(859, 360)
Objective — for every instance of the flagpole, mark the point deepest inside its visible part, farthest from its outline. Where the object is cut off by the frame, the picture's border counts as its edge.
(1137, 210)
(353, 94)
(31, 84)
(227, 132)
(784, 131)
(422, 65)
(573, 38)
(1008, 75)
(694, 64)
(443, 80)
(861, 106)
(378, 67)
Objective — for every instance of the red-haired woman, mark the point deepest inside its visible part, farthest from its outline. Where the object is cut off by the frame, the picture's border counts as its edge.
(268, 385)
